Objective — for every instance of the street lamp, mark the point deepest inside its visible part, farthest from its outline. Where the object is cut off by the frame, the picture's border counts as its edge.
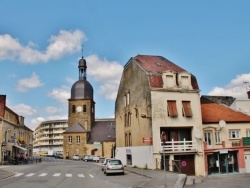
(163, 139)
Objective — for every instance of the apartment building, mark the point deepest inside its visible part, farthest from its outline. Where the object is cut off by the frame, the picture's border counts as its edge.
(156, 96)
(226, 137)
(48, 137)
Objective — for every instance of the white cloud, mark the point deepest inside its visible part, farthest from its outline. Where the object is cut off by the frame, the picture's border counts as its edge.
(29, 83)
(107, 73)
(70, 80)
(236, 88)
(33, 123)
(52, 110)
(24, 110)
(66, 42)
(60, 94)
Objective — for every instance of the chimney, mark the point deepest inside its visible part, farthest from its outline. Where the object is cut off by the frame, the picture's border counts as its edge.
(248, 94)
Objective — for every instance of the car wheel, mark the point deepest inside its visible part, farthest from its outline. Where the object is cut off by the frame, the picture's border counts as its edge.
(107, 174)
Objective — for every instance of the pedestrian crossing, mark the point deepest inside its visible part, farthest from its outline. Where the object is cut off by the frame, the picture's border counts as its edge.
(67, 175)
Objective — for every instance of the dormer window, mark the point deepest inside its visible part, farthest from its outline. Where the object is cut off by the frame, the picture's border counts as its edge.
(184, 80)
(169, 80)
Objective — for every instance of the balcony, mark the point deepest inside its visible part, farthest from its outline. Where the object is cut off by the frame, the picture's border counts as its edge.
(179, 146)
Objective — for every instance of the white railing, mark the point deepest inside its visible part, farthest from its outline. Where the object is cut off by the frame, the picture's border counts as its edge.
(179, 146)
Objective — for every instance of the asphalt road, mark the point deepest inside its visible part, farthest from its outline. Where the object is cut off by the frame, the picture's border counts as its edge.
(60, 173)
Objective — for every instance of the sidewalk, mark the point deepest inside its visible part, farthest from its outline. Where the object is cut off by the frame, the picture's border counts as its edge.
(157, 178)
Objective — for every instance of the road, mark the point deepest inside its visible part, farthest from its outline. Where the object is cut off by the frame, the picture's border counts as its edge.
(60, 173)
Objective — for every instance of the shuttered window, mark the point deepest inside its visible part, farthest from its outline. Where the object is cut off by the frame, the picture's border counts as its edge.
(172, 110)
(186, 109)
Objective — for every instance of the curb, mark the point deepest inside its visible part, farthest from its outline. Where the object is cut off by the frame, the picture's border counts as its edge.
(138, 173)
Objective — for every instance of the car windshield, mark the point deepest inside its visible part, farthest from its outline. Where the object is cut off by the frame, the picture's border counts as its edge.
(115, 162)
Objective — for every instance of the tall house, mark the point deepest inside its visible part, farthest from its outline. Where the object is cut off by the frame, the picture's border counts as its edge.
(156, 97)
(15, 136)
(81, 115)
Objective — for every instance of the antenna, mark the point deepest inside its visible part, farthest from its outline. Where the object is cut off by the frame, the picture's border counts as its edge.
(82, 50)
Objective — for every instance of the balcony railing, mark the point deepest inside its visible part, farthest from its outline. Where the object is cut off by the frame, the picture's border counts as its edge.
(179, 146)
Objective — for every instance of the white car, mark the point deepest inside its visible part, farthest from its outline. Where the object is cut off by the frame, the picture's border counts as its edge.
(75, 157)
(113, 166)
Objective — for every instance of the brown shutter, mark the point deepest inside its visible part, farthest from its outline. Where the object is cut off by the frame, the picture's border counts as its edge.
(172, 110)
(187, 108)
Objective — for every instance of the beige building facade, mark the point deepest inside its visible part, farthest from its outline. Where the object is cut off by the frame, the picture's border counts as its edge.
(157, 96)
(15, 137)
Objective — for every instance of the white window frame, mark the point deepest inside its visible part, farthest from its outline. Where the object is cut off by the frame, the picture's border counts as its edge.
(248, 133)
(235, 132)
(78, 139)
(70, 139)
(208, 138)
(217, 137)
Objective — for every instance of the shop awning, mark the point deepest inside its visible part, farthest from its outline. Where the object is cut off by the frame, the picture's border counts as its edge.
(19, 147)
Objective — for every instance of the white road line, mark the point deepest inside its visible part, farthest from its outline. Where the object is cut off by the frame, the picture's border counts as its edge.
(43, 174)
(81, 176)
(30, 174)
(18, 174)
(91, 175)
(68, 175)
(57, 174)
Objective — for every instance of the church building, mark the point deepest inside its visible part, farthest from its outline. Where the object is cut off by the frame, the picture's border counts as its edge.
(86, 135)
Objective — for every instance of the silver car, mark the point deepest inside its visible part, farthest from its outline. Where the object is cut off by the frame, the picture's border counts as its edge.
(113, 166)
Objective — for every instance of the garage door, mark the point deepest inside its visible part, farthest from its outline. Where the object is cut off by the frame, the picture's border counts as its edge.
(247, 163)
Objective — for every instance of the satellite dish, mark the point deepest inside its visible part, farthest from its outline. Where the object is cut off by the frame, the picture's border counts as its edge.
(222, 123)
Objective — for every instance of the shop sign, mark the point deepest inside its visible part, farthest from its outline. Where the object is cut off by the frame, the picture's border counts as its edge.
(223, 151)
(128, 151)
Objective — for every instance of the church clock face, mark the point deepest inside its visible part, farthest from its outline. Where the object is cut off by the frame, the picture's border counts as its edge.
(79, 108)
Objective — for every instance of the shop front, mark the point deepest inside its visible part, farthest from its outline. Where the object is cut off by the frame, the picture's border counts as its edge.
(222, 162)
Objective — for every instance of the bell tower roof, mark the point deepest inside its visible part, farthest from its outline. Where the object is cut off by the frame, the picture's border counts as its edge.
(82, 89)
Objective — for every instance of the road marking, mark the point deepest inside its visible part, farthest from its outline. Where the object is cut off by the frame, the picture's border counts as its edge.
(91, 175)
(57, 174)
(43, 174)
(68, 175)
(81, 176)
(30, 174)
(18, 174)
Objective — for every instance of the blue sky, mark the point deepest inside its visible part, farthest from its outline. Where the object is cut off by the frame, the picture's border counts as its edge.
(41, 41)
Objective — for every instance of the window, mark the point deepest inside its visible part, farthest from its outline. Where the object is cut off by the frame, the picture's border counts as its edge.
(73, 108)
(84, 108)
(248, 133)
(70, 139)
(208, 138)
(125, 120)
(172, 110)
(186, 109)
(234, 133)
(126, 99)
(126, 141)
(217, 137)
(78, 139)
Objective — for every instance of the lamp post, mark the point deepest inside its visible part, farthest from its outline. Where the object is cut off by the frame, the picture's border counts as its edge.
(163, 139)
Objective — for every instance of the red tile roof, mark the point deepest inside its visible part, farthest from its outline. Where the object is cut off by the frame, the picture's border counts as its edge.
(157, 65)
(214, 112)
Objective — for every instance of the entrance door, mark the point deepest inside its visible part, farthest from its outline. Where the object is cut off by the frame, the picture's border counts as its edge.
(247, 163)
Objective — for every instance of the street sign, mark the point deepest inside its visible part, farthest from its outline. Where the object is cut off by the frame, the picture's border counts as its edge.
(147, 139)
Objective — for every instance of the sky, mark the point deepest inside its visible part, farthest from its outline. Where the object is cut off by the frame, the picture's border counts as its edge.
(42, 41)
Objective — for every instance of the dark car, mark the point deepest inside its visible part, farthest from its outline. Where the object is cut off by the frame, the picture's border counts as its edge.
(59, 156)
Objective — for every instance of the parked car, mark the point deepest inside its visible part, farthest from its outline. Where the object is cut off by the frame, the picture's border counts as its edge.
(113, 166)
(105, 162)
(75, 157)
(96, 159)
(88, 158)
(59, 156)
